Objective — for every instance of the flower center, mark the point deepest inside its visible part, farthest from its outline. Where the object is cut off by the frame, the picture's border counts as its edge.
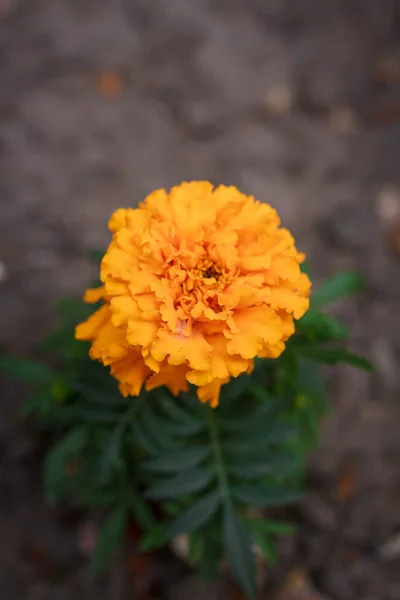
(212, 271)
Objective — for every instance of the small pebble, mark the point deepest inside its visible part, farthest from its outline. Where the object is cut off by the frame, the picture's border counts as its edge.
(279, 99)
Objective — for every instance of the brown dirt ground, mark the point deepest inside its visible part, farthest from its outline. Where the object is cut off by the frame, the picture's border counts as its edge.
(298, 103)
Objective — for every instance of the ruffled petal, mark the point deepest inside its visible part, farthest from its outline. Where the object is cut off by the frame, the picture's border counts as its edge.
(197, 283)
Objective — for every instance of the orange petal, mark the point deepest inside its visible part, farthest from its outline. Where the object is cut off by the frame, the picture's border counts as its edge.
(174, 377)
(180, 349)
(89, 329)
(93, 295)
(210, 392)
(256, 327)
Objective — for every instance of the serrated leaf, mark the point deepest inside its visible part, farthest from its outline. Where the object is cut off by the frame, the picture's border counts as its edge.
(177, 460)
(260, 467)
(184, 429)
(96, 396)
(55, 462)
(156, 427)
(259, 496)
(172, 508)
(97, 255)
(26, 370)
(276, 527)
(335, 288)
(40, 403)
(72, 310)
(305, 267)
(181, 413)
(141, 510)
(153, 539)
(194, 517)
(266, 546)
(194, 547)
(210, 556)
(88, 415)
(309, 380)
(260, 440)
(111, 453)
(182, 423)
(260, 392)
(268, 526)
(333, 356)
(233, 390)
(321, 327)
(185, 483)
(311, 401)
(110, 536)
(246, 421)
(144, 439)
(239, 553)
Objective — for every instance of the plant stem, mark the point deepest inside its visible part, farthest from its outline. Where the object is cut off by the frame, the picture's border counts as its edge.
(219, 461)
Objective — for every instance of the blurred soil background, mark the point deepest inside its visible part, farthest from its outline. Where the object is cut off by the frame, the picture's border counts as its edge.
(294, 101)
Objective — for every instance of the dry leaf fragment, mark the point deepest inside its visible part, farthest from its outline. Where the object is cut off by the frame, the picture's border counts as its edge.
(298, 586)
(110, 84)
(343, 120)
(347, 481)
(387, 70)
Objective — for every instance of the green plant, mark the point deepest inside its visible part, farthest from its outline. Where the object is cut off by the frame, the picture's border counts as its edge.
(179, 466)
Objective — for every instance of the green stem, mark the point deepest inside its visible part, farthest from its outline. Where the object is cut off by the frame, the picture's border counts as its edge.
(217, 451)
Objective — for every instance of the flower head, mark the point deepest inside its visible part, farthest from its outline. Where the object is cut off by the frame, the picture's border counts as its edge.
(196, 283)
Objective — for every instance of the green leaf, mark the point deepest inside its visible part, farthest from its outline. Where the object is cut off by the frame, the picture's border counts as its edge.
(199, 513)
(97, 255)
(156, 426)
(194, 547)
(178, 485)
(145, 439)
(110, 536)
(181, 413)
(238, 549)
(96, 396)
(141, 510)
(234, 389)
(182, 424)
(260, 496)
(276, 527)
(311, 402)
(155, 538)
(266, 546)
(336, 287)
(333, 356)
(72, 310)
(88, 415)
(268, 465)
(26, 370)
(210, 556)
(55, 474)
(321, 327)
(177, 460)
(41, 403)
(248, 420)
(305, 267)
(182, 428)
(310, 381)
(172, 508)
(111, 453)
(260, 440)
(262, 529)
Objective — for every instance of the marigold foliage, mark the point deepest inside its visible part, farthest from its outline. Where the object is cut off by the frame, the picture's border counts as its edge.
(196, 284)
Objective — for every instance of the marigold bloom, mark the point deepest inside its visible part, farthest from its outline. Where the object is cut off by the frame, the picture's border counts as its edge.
(197, 283)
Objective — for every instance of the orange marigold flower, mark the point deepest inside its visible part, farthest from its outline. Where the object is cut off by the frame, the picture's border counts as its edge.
(197, 283)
